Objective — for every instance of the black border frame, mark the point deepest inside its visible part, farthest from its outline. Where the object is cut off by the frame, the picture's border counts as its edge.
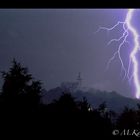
(70, 4)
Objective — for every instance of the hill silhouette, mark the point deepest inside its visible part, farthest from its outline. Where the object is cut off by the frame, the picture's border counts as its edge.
(94, 97)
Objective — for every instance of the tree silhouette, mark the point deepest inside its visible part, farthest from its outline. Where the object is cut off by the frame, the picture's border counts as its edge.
(127, 119)
(15, 80)
(138, 116)
(84, 106)
(19, 89)
(102, 109)
(66, 103)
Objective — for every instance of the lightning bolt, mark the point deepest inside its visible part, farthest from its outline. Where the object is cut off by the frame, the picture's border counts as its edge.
(134, 51)
(128, 28)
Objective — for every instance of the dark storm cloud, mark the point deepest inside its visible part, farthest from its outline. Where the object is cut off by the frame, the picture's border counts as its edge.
(56, 44)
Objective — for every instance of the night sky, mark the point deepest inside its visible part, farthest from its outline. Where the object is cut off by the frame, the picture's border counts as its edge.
(56, 44)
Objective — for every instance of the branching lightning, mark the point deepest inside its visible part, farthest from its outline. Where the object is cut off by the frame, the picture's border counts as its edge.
(128, 29)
